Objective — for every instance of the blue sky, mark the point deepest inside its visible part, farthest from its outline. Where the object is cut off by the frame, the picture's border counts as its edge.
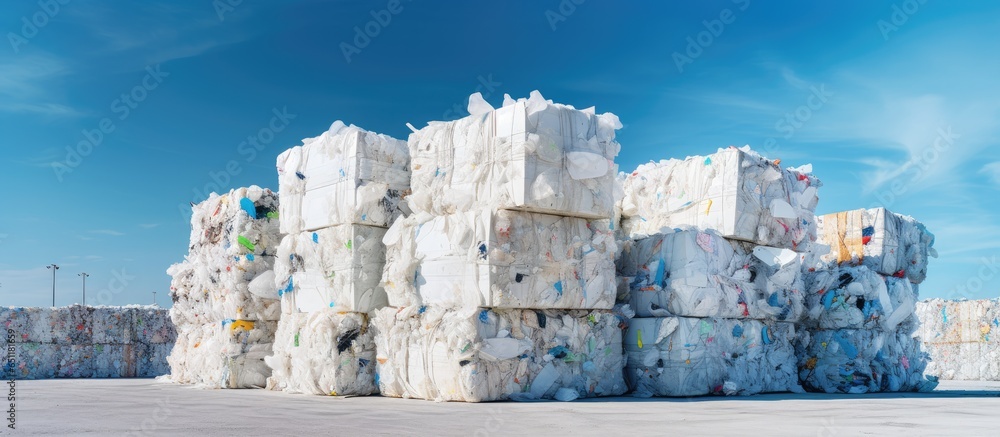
(894, 103)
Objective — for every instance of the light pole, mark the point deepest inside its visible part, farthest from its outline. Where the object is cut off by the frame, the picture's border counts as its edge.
(84, 276)
(54, 268)
(154, 298)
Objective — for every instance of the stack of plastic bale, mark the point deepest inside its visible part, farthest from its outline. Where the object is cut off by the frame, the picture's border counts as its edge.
(86, 342)
(962, 338)
(710, 267)
(860, 304)
(224, 328)
(501, 281)
(339, 191)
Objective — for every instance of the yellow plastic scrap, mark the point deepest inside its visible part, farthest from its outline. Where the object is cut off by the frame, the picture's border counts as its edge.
(244, 324)
(639, 337)
(709, 207)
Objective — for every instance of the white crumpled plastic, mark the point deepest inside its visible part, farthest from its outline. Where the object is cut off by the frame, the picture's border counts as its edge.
(337, 267)
(490, 355)
(886, 242)
(346, 175)
(696, 273)
(735, 191)
(224, 330)
(681, 356)
(324, 353)
(530, 155)
(861, 361)
(962, 338)
(501, 259)
(859, 298)
(227, 354)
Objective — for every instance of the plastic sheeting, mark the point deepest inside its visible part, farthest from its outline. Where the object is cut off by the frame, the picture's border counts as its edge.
(680, 356)
(861, 361)
(87, 342)
(695, 273)
(501, 259)
(492, 355)
(337, 267)
(735, 191)
(962, 338)
(346, 175)
(530, 155)
(889, 243)
(859, 298)
(228, 354)
(324, 353)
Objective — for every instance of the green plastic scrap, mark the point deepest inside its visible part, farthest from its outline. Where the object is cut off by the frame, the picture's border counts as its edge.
(296, 339)
(245, 242)
(272, 215)
(348, 244)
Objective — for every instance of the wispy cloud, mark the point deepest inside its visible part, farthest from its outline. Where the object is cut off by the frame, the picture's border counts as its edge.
(25, 82)
(992, 170)
(149, 225)
(108, 232)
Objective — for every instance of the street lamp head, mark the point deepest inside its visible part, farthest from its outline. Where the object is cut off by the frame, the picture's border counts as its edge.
(53, 266)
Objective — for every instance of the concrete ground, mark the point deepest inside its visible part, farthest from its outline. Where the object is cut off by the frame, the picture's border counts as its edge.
(146, 407)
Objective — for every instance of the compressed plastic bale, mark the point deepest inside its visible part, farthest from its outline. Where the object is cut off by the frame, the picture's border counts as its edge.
(694, 273)
(500, 259)
(529, 155)
(859, 298)
(682, 356)
(151, 359)
(339, 267)
(323, 353)
(861, 361)
(33, 361)
(347, 175)
(735, 191)
(492, 355)
(111, 325)
(962, 338)
(886, 242)
(152, 325)
(229, 354)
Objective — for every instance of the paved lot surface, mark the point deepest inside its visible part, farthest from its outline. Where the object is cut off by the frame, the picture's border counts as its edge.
(147, 407)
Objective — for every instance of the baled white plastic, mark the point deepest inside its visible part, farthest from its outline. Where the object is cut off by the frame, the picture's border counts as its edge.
(886, 242)
(491, 355)
(500, 259)
(529, 155)
(347, 175)
(737, 192)
(323, 353)
(694, 273)
(962, 338)
(859, 298)
(337, 267)
(681, 356)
